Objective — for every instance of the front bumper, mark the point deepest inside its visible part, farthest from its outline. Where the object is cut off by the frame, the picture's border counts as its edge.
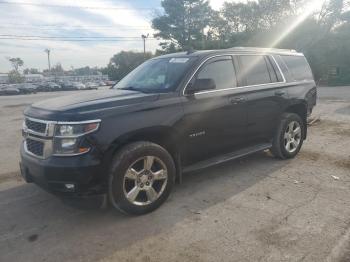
(82, 175)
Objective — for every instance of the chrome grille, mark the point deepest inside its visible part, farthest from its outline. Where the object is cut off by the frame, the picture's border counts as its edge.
(35, 126)
(38, 137)
(35, 147)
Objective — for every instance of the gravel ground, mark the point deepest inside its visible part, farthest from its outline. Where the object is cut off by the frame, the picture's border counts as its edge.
(254, 209)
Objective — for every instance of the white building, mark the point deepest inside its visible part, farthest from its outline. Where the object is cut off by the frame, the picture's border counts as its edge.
(32, 78)
(4, 78)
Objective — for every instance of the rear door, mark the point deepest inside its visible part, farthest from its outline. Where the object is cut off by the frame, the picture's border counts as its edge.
(215, 120)
(266, 95)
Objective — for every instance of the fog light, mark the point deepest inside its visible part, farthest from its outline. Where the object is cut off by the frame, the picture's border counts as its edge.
(70, 187)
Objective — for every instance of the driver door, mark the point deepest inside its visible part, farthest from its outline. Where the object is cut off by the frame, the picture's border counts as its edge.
(214, 120)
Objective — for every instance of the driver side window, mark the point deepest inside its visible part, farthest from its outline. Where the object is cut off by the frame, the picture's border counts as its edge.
(221, 70)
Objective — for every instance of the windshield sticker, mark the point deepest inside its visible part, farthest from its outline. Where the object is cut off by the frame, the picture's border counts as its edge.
(179, 60)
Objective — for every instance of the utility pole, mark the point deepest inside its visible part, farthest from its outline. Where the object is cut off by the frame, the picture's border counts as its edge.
(144, 37)
(48, 58)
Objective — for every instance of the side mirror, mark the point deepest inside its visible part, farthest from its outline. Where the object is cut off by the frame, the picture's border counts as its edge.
(201, 85)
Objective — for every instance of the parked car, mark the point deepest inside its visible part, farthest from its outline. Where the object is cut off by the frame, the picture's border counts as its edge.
(68, 85)
(9, 90)
(110, 83)
(79, 86)
(91, 85)
(48, 87)
(52, 86)
(42, 87)
(27, 88)
(172, 115)
(101, 83)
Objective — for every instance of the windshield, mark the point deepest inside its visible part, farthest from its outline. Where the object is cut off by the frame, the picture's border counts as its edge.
(157, 75)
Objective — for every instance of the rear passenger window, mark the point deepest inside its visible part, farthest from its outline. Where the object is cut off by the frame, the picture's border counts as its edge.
(221, 70)
(298, 67)
(254, 69)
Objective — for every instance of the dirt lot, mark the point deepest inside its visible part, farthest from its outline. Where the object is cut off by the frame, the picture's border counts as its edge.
(254, 209)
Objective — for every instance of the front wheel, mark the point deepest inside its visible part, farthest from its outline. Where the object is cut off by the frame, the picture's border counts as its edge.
(141, 178)
(289, 136)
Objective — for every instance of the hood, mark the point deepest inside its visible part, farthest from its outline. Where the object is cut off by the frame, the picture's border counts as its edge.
(89, 99)
(84, 102)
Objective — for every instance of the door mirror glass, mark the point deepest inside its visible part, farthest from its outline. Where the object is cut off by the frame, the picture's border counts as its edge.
(201, 85)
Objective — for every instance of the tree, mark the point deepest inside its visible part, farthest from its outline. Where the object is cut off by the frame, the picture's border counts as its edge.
(272, 12)
(30, 71)
(183, 23)
(242, 17)
(57, 69)
(87, 71)
(323, 36)
(345, 17)
(15, 77)
(124, 62)
(331, 14)
(15, 62)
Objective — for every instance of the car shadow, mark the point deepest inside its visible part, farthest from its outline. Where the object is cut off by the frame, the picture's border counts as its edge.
(36, 225)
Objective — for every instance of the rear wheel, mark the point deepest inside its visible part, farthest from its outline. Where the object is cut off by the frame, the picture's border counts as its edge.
(141, 178)
(289, 136)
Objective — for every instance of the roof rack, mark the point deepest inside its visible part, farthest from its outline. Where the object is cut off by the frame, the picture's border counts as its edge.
(242, 48)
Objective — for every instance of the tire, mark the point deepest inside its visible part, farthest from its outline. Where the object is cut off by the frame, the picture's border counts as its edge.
(284, 135)
(135, 170)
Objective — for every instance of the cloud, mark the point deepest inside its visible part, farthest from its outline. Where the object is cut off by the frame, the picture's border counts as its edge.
(71, 22)
(104, 21)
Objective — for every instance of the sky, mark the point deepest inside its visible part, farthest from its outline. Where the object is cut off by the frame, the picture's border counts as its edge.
(31, 19)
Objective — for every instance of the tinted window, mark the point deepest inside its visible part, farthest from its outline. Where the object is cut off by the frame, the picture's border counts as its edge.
(298, 67)
(221, 71)
(254, 70)
(274, 73)
(157, 75)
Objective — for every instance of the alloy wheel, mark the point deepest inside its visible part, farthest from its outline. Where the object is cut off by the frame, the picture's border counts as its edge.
(292, 137)
(145, 180)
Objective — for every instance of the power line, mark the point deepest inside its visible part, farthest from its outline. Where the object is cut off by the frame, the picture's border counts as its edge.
(74, 40)
(75, 26)
(49, 30)
(69, 37)
(76, 6)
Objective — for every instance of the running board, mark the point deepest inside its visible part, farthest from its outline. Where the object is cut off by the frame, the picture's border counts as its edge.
(227, 157)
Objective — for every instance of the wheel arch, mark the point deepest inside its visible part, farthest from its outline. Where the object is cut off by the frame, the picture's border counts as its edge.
(301, 110)
(166, 137)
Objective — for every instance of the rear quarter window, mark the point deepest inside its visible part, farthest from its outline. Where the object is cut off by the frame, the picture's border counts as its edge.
(298, 67)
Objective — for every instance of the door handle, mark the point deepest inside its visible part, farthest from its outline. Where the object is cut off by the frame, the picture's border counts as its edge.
(280, 93)
(237, 100)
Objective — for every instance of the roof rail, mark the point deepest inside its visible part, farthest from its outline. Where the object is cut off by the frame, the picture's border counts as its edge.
(242, 48)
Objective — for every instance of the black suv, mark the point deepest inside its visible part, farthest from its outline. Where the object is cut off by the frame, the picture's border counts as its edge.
(172, 114)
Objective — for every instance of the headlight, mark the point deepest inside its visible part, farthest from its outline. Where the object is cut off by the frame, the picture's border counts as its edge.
(75, 130)
(69, 137)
